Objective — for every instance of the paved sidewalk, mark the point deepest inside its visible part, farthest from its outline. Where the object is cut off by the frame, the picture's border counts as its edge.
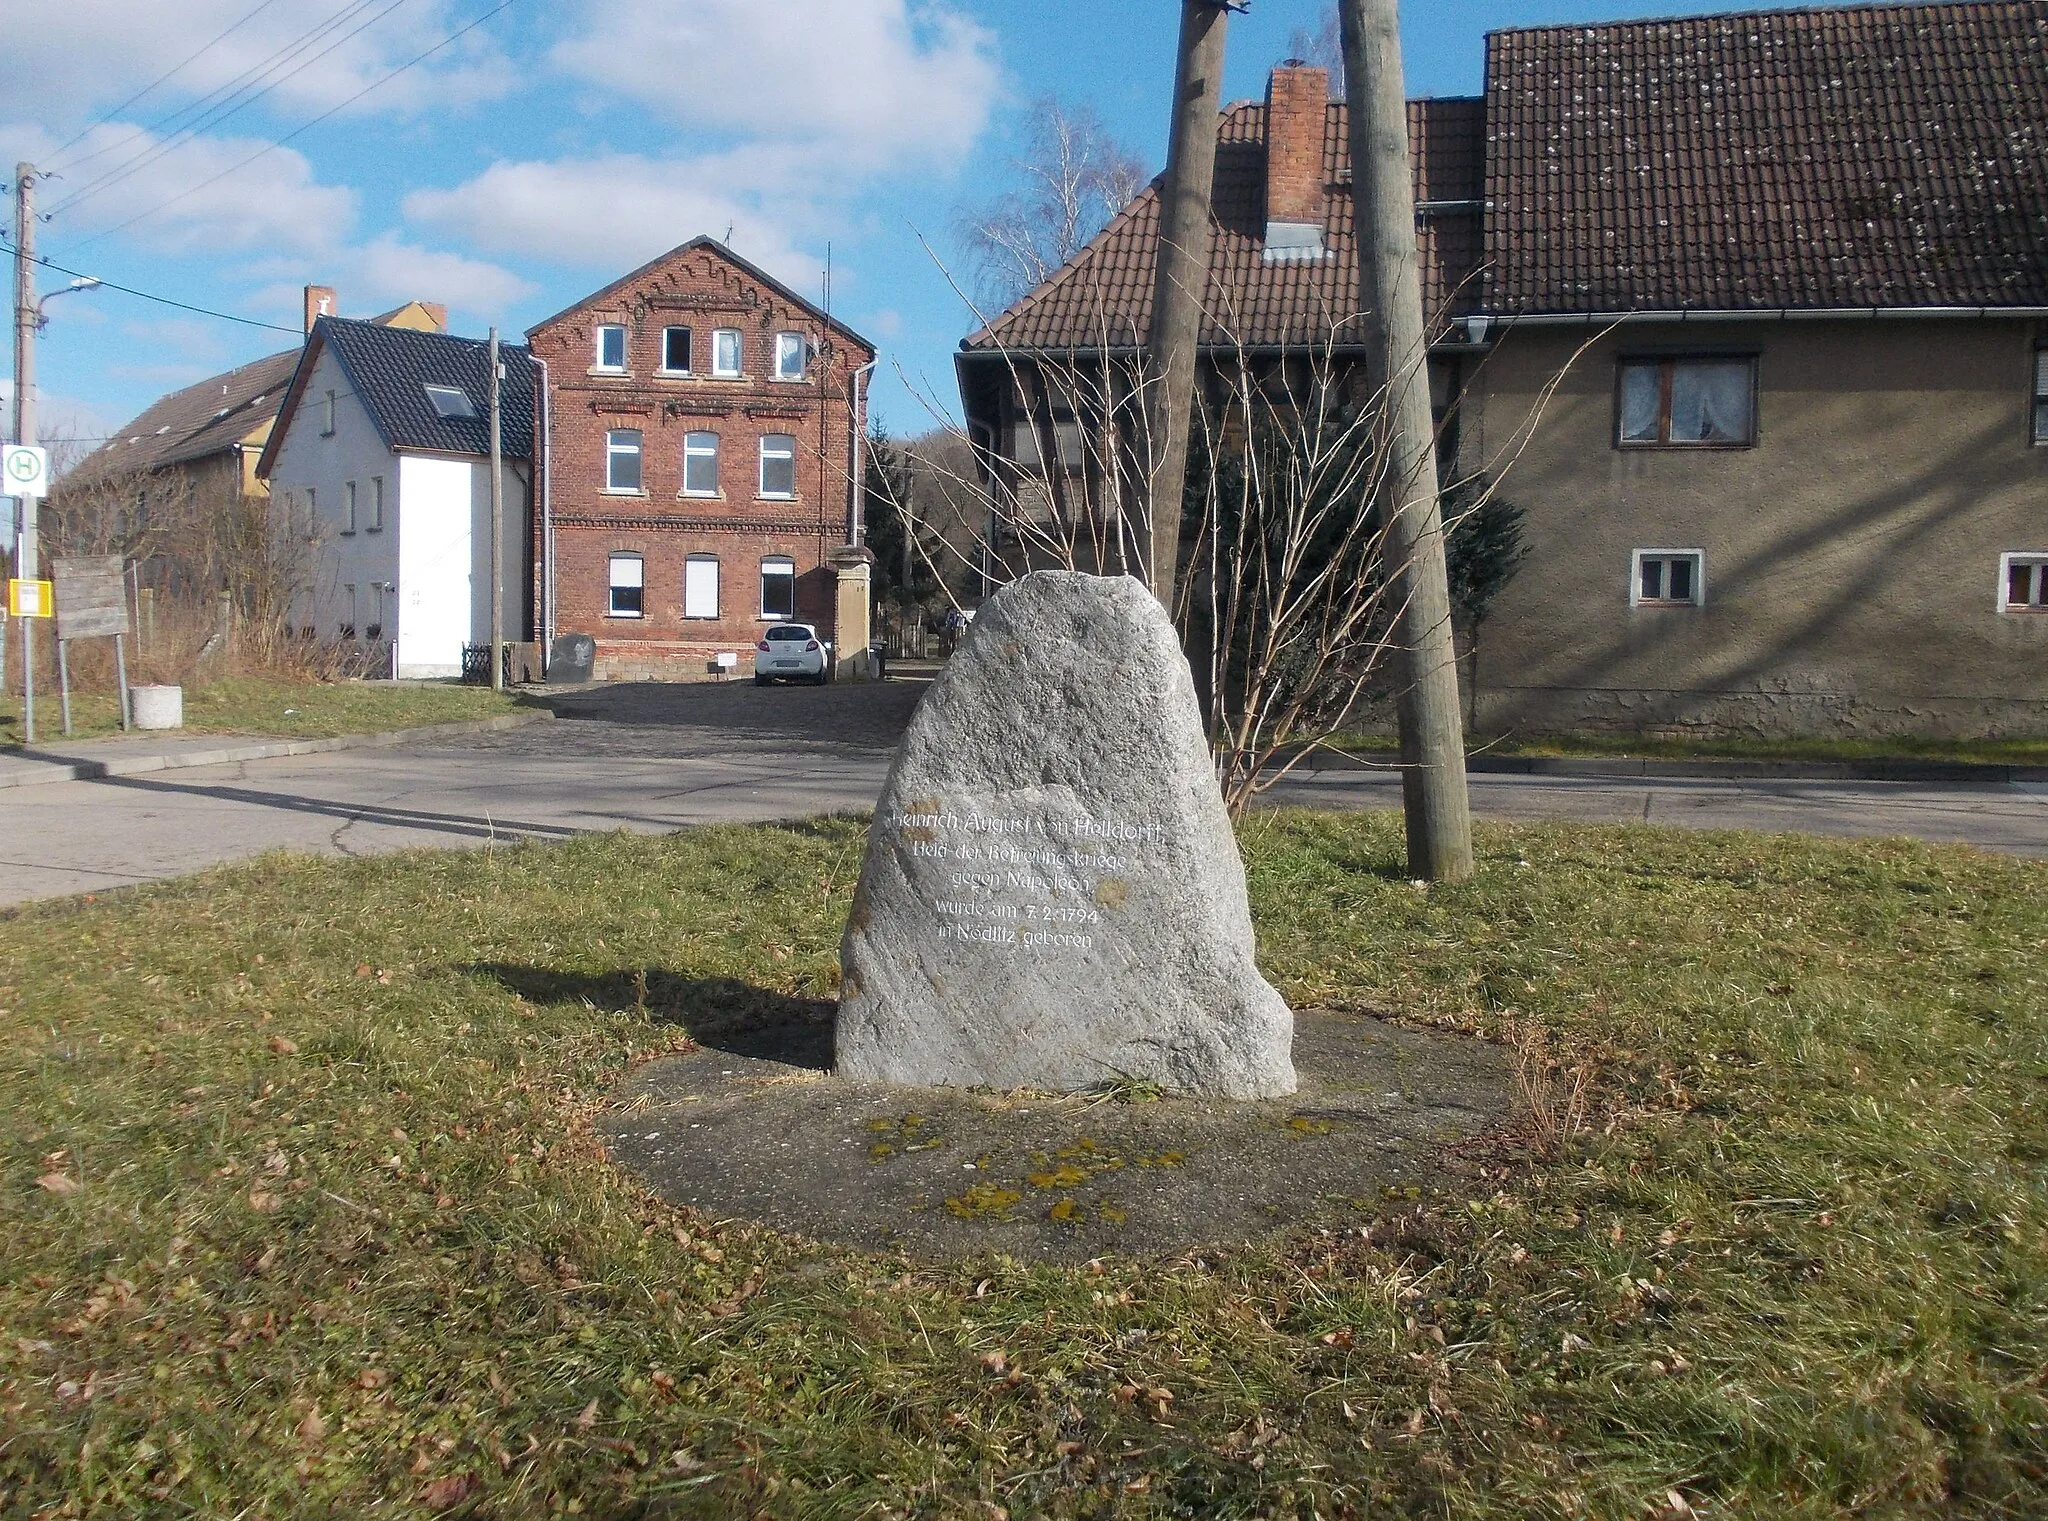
(651, 759)
(138, 753)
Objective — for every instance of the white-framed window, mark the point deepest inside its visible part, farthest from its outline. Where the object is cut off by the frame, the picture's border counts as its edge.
(348, 507)
(2023, 583)
(700, 586)
(700, 464)
(726, 353)
(1705, 401)
(2041, 394)
(348, 599)
(675, 351)
(622, 460)
(376, 524)
(778, 465)
(628, 581)
(778, 588)
(327, 423)
(792, 355)
(610, 347)
(1668, 578)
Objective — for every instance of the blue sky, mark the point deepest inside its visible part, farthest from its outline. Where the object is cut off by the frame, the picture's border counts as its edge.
(560, 143)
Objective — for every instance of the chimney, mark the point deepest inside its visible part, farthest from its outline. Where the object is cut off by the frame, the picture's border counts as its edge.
(1297, 111)
(319, 303)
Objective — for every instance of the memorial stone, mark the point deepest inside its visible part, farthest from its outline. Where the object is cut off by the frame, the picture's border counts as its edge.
(572, 658)
(1052, 896)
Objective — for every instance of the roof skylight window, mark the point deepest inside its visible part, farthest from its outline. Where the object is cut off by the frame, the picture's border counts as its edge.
(450, 402)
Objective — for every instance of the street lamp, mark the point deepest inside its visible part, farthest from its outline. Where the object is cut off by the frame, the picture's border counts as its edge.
(77, 287)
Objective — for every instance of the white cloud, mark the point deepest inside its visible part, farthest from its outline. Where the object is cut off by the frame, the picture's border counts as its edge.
(391, 270)
(873, 81)
(620, 210)
(69, 62)
(272, 202)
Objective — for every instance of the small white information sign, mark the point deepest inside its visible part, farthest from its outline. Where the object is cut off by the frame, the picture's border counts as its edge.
(24, 470)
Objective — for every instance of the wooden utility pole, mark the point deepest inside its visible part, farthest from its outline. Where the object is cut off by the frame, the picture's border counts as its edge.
(26, 558)
(1433, 789)
(1181, 281)
(497, 521)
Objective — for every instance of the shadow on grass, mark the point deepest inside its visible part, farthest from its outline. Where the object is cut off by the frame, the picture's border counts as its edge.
(720, 1013)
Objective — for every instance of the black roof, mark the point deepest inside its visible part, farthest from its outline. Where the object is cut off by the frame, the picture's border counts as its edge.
(390, 368)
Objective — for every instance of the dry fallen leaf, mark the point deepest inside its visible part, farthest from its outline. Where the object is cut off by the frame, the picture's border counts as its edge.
(264, 1202)
(995, 1362)
(58, 1183)
(372, 1378)
(588, 1418)
(448, 1490)
(313, 1427)
(284, 1047)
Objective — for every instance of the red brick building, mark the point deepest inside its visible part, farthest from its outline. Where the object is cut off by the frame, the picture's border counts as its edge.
(700, 426)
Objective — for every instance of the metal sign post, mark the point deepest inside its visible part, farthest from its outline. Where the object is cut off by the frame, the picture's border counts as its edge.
(25, 475)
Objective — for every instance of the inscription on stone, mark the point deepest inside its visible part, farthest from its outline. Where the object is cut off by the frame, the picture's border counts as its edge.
(1052, 895)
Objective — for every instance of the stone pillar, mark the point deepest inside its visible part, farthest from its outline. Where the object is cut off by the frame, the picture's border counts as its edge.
(852, 628)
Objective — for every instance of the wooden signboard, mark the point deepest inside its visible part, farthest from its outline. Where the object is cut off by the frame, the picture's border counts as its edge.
(92, 599)
(92, 603)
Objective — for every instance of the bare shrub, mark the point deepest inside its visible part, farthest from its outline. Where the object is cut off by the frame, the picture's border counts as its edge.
(1555, 1096)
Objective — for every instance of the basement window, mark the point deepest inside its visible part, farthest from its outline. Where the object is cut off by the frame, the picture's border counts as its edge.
(628, 582)
(2023, 583)
(450, 402)
(1668, 578)
(1686, 402)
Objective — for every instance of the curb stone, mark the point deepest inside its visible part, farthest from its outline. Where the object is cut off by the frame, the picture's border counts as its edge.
(1987, 773)
(64, 768)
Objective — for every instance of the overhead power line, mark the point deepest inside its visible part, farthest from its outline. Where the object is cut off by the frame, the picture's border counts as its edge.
(183, 306)
(413, 62)
(224, 92)
(192, 130)
(162, 78)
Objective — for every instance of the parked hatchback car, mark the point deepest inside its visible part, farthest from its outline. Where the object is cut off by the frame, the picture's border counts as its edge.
(790, 652)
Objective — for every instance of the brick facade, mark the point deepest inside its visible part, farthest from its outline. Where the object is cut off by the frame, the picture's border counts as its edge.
(704, 289)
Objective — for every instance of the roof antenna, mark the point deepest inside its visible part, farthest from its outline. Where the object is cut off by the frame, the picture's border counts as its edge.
(728, 234)
(828, 279)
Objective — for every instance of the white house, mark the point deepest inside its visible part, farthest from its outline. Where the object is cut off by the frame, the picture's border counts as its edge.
(383, 446)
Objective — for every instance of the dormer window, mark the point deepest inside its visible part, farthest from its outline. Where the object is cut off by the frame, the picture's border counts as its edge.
(450, 402)
(611, 347)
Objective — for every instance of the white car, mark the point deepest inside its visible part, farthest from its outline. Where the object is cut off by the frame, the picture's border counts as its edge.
(791, 652)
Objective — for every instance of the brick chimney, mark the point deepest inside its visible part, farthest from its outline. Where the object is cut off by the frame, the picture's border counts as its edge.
(1297, 109)
(319, 303)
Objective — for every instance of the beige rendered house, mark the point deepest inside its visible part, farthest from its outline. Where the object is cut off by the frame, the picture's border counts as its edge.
(1755, 332)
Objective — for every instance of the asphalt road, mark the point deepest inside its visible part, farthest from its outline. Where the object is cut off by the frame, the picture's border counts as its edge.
(651, 759)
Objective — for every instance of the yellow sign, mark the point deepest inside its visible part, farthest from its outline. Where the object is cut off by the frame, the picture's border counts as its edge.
(30, 599)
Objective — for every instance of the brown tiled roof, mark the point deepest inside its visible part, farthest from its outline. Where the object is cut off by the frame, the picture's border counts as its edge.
(1103, 297)
(1874, 156)
(199, 421)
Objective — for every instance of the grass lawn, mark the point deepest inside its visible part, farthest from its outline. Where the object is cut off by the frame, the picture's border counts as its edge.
(278, 709)
(1996, 752)
(301, 1213)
